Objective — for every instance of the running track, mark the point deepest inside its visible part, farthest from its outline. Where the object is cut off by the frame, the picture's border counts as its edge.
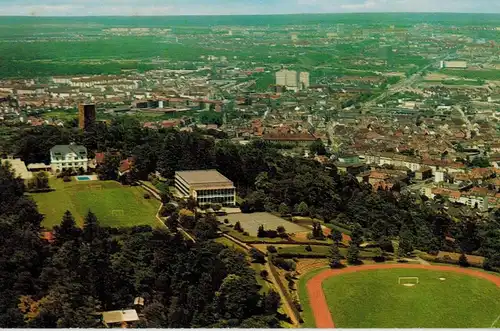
(319, 307)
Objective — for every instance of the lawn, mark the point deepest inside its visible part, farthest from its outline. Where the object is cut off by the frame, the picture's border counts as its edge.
(106, 202)
(373, 299)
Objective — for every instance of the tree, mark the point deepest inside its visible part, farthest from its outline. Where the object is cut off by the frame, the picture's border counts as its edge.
(216, 206)
(336, 236)
(264, 274)
(281, 229)
(317, 147)
(261, 233)
(40, 181)
(272, 302)
(283, 209)
(108, 170)
(405, 242)
(67, 231)
(91, 227)
(335, 257)
(353, 254)
(462, 260)
(257, 256)
(357, 234)
(317, 231)
(303, 209)
(237, 227)
(173, 222)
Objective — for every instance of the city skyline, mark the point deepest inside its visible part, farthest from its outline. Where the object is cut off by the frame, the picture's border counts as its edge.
(235, 7)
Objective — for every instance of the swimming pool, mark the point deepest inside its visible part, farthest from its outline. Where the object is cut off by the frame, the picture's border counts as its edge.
(82, 178)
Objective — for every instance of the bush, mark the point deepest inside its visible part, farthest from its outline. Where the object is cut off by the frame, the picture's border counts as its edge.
(284, 264)
(271, 249)
(297, 305)
(288, 276)
(238, 227)
(246, 234)
(147, 196)
(271, 234)
(226, 221)
(66, 179)
(462, 261)
(309, 248)
(264, 274)
(291, 285)
(257, 255)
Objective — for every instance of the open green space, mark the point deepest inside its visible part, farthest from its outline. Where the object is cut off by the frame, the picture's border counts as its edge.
(374, 299)
(114, 205)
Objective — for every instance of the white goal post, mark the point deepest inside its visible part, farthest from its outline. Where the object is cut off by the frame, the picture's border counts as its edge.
(406, 280)
(118, 212)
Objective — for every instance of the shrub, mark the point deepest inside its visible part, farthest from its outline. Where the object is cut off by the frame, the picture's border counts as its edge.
(284, 264)
(309, 248)
(297, 305)
(147, 196)
(246, 234)
(283, 235)
(257, 255)
(291, 285)
(226, 221)
(462, 261)
(288, 276)
(271, 249)
(238, 227)
(264, 274)
(67, 179)
(281, 229)
(272, 234)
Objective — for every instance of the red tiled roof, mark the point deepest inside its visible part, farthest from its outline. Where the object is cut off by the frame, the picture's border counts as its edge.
(99, 158)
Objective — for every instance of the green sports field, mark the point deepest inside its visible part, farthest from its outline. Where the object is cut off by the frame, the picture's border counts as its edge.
(374, 299)
(115, 205)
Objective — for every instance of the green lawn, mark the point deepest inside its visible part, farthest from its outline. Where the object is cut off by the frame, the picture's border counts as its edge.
(106, 203)
(373, 299)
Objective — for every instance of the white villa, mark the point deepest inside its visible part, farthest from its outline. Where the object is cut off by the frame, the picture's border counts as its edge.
(68, 157)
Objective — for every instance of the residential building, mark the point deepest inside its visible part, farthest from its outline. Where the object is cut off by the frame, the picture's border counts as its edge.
(86, 115)
(292, 80)
(68, 157)
(206, 186)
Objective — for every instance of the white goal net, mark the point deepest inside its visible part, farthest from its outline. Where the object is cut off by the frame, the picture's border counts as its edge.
(408, 281)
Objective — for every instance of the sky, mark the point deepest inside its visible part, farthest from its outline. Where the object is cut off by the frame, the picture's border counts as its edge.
(235, 7)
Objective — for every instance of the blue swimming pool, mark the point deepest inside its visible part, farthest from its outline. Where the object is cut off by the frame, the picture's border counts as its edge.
(82, 178)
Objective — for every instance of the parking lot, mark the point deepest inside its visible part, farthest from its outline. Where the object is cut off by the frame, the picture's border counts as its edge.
(251, 222)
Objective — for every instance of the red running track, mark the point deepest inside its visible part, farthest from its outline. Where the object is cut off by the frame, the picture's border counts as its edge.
(317, 300)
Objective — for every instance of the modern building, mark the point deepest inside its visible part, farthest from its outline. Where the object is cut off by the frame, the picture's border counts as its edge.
(206, 186)
(19, 167)
(86, 115)
(68, 157)
(292, 80)
(304, 80)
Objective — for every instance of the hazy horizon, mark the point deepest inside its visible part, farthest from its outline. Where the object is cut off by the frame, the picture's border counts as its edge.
(82, 8)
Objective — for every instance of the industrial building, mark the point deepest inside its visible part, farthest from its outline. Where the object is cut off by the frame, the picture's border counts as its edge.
(292, 80)
(86, 115)
(454, 64)
(206, 186)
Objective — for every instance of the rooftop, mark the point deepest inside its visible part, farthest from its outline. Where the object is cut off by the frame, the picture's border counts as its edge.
(203, 177)
(120, 316)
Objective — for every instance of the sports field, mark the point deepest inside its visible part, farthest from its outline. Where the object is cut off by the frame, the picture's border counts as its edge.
(115, 205)
(444, 297)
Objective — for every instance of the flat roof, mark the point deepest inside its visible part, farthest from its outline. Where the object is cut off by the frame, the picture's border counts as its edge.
(119, 316)
(19, 168)
(203, 177)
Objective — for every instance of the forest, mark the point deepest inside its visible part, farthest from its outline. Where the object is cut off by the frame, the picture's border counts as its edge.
(85, 270)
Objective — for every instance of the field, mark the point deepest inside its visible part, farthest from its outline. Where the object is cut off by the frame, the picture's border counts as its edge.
(107, 203)
(374, 299)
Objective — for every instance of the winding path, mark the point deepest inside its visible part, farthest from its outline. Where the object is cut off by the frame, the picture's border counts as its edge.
(319, 307)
